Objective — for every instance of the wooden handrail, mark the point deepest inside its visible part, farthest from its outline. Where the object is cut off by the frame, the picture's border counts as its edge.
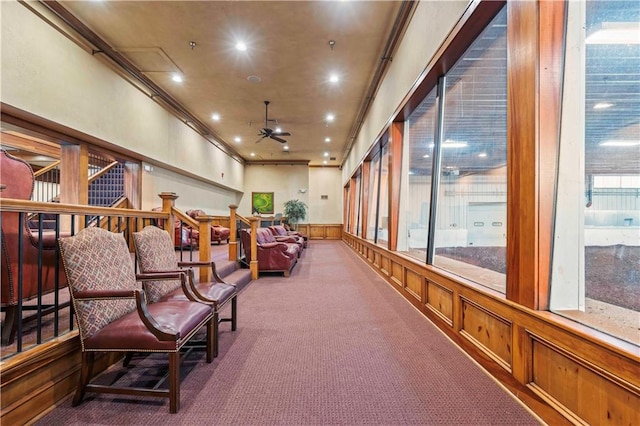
(46, 169)
(185, 218)
(102, 172)
(13, 205)
(243, 219)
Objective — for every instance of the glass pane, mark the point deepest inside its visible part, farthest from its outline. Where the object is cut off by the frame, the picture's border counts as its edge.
(596, 272)
(374, 174)
(358, 188)
(473, 171)
(383, 216)
(416, 196)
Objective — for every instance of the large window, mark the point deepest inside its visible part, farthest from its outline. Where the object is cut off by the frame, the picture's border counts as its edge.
(596, 264)
(471, 212)
(358, 213)
(383, 199)
(415, 198)
(374, 186)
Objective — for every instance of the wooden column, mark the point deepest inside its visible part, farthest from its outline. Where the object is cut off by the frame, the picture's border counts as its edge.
(204, 245)
(233, 236)
(74, 181)
(253, 265)
(395, 180)
(535, 40)
(168, 202)
(132, 185)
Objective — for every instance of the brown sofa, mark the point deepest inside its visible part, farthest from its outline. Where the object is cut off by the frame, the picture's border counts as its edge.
(273, 256)
(18, 177)
(218, 233)
(280, 232)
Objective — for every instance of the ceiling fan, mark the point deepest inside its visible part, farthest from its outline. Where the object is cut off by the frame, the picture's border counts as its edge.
(266, 132)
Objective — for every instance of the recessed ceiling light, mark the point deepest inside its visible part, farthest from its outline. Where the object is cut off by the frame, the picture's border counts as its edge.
(327, 139)
(215, 117)
(254, 79)
(425, 156)
(237, 139)
(253, 154)
(330, 117)
(620, 142)
(326, 154)
(482, 154)
(286, 148)
(333, 78)
(177, 78)
(602, 105)
(450, 143)
(278, 129)
(241, 46)
(324, 162)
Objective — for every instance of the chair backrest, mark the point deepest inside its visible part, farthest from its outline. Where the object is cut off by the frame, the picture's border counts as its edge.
(155, 253)
(264, 236)
(278, 230)
(98, 260)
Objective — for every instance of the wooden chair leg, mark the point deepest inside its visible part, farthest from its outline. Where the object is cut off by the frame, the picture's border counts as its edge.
(215, 334)
(86, 372)
(234, 313)
(174, 382)
(10, 324)
(210, 339)
(127, 359)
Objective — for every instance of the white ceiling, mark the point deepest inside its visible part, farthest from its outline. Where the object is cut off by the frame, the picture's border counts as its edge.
(288, 49)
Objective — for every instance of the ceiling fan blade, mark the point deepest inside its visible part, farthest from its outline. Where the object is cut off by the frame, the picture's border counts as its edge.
(277, 139)
(282, 133)
(260, 139)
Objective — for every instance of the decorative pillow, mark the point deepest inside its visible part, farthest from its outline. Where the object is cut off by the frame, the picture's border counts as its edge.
(155, 253)
(96, 259)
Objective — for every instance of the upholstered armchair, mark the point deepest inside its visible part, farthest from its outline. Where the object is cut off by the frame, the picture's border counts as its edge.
(273, 256)
(115, 315)
(18, 177)
(218, 233)
(155, 254)
(185, 236)
(281, 234)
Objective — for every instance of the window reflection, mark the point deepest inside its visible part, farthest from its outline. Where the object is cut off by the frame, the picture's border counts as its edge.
(472, 174)
(597, 240)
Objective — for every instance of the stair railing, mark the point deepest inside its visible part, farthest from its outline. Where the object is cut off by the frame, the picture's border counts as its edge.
(47, 183)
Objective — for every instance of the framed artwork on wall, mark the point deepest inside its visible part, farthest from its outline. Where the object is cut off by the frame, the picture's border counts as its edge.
(262, 202)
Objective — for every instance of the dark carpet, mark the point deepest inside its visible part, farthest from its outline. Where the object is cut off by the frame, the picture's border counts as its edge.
(333, 344)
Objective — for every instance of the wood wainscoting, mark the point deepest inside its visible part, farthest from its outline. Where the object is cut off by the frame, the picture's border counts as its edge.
(321, 232)
(35, 381)
(564, 371)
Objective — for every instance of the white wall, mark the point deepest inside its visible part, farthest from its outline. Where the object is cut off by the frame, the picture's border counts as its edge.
(325, 181)
(47, 74)
(285, 181)
(431, 23)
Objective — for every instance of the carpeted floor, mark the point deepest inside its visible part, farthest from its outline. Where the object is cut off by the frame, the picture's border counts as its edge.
(333, 344)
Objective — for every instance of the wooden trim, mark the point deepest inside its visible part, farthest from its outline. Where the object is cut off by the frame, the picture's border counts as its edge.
(103, 171)
(395, 181)
(183, 217)
(12, 205)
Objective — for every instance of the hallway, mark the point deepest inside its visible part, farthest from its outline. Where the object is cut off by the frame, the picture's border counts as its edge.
(332, 344)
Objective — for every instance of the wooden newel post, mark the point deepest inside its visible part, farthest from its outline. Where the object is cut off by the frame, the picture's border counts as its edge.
(168, 202)
(204, 246)
(253, 265)
(233, 237)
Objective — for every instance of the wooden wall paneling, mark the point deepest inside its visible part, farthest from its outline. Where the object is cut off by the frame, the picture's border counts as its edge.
(440, 300)
(397, 273)
(333, 232)
(594, 399)
(395, 181)
(316, 232)
(414, 284)
(486, 329)
(385, 265)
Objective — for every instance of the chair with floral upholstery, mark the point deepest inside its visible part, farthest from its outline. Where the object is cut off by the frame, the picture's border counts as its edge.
(114, 316)
(155, 254)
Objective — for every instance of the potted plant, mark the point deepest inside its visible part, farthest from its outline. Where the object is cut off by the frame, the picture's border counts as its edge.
(295, 211)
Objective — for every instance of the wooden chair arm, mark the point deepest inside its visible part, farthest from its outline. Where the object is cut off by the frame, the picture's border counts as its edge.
(103, 294)
(216, 277)
(181, 274)
(151, 324)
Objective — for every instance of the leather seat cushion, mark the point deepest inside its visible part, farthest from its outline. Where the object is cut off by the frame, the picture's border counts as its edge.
(129, 332)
